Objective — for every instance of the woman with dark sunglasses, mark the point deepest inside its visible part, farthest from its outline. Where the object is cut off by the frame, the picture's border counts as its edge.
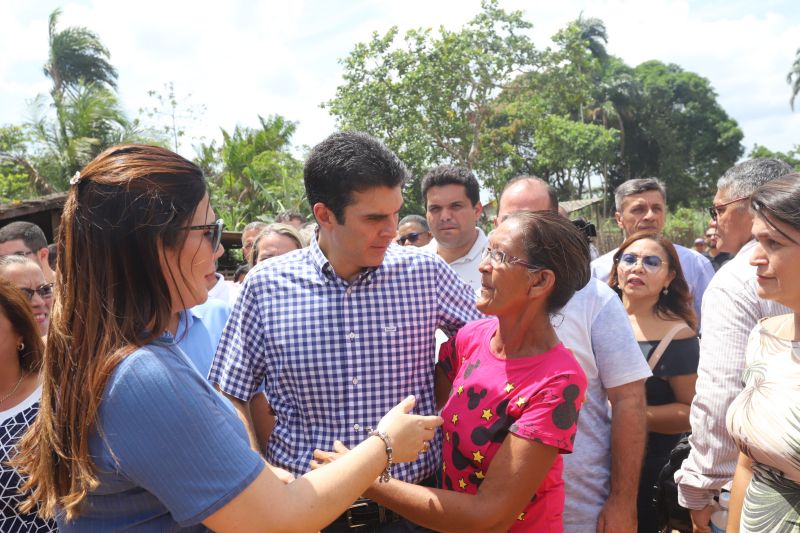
(130, 436)
(28, 277)
(648, 277)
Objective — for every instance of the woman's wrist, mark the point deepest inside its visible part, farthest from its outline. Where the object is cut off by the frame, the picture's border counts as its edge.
(386, 475)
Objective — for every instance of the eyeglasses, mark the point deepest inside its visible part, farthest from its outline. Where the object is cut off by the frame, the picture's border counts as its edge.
(498, 257)
(410, 237)
(651, 263)
(45, 291)
(214, 232)
(714, 210)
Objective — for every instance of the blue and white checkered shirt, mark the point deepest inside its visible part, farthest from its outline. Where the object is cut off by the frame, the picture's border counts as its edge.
(337, 356)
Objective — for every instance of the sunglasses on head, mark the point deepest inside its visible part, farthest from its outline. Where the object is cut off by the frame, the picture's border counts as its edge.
(45, 291)
(410, 237)
(213, 232)
(651, 263)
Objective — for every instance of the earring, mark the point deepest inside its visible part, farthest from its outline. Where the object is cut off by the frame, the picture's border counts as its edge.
(665, 291)
(21, 346)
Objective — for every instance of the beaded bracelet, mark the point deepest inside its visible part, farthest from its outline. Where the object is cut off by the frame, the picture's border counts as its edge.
(386, 475)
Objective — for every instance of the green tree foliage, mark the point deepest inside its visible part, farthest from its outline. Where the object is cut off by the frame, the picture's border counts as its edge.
(791, 156)
(252, 174)
(174, 110)
(680, 133)
(431, 98)
(14, 162)
(484, 98)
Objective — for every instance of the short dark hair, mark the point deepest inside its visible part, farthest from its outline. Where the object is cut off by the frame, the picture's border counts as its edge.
(677, 303)
(28, 232)
(777, 200)
(637, 186)
(349, 162)
(415, 219)
(452, 175)
(52, 250)
(551, 191)
(290, 214)
(553, 243)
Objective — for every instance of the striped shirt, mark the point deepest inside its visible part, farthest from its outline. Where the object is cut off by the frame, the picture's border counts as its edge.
(731, 309)
(337, 355)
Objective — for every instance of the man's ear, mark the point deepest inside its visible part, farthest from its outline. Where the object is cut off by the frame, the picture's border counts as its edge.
(618, 218)
(43, 255)
(325, 217)
(478, 209)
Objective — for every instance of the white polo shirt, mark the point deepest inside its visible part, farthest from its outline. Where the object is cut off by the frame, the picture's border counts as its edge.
(467, 266)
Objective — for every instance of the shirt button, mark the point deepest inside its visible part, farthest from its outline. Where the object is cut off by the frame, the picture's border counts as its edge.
(351, 336)
(355, 381)
(349, 291)
(356, 427)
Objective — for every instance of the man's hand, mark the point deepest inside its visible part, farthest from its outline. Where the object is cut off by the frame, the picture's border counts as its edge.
(617, 516)
(322, 457)
(701, 518)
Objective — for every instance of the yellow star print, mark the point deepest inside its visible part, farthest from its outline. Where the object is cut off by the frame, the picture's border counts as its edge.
(521, 516)
(462, 483)
(509, 387)
(487, 414)
(460, 389)
(454, 420)
(521, 401)
(477, 456)
(479, 474)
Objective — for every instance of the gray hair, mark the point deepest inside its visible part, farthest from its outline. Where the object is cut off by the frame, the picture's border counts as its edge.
(637, 186)
(743, 179)
(255, 225)
(414, 219)
(280, 229)
(9, 260)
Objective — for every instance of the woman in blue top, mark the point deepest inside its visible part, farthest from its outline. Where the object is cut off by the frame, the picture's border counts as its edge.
(130, 436)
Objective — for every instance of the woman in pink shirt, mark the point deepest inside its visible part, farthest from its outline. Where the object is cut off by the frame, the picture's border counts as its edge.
(511, 391)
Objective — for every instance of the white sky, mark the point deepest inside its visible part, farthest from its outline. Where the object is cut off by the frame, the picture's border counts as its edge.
(242, 58)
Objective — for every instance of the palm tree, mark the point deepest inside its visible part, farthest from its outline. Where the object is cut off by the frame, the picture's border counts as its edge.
(593, 31)
(76, 57)
(793, 78)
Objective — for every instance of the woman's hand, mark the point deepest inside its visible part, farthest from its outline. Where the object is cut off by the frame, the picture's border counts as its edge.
(410, 434)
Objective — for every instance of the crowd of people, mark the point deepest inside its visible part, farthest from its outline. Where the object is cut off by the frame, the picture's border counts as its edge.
(381, 374)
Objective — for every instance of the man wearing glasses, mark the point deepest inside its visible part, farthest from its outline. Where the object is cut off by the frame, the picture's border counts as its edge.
(712, 252)
(413, 231)
(27, 239)
(731, 309)
(642, 206)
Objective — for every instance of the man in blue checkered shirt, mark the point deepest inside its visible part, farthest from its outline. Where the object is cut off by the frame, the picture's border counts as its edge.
(342, 330)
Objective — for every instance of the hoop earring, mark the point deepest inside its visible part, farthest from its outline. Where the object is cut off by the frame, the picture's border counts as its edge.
(20, 346)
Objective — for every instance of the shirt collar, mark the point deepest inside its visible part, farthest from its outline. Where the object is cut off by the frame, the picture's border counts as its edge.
(328, 274)
(477, 248)
(186, 320)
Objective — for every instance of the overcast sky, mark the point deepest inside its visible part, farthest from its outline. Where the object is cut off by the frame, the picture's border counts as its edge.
(242, 58)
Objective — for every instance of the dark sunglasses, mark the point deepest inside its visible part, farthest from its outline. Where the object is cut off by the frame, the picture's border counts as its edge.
(651, 263)
(45, 291)
(714, 210)
(213, 232)
(410, 237)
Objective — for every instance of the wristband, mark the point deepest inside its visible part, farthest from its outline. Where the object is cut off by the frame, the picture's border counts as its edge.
(386, 475)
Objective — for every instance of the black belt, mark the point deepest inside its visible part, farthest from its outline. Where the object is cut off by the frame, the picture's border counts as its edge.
(365, 513)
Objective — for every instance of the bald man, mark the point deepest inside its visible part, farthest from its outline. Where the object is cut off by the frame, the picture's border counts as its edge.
(601, 476)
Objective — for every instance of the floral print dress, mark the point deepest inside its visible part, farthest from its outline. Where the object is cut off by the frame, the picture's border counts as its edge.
(764, 421)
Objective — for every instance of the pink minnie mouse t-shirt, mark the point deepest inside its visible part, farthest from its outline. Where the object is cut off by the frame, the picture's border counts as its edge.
(535, 398)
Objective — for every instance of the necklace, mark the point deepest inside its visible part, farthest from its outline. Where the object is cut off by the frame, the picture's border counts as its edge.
(7, 396)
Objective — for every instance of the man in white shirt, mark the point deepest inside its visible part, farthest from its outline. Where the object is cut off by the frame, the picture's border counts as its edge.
(601, 476)
(731, 309)
(453, 207)
(642, 206)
